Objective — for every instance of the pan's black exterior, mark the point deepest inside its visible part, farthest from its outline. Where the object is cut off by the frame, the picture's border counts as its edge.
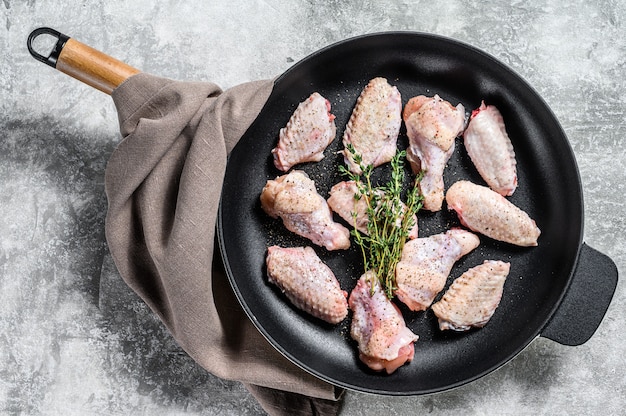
(549, 190)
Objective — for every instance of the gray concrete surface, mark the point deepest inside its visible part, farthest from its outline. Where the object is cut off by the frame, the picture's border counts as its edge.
(74, 340)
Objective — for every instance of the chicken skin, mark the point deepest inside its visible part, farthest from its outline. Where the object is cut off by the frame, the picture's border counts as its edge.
(307, 282)
(426, 263)
(308, 133)
(385, 343)
(294, 199)
(473, 297)
(487, 212)
(374, 125)
(432, 124)
(342, 201)
(491, 150)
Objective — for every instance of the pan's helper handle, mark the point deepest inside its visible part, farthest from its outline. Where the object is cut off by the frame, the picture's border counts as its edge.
(586, 301)
(82, 62)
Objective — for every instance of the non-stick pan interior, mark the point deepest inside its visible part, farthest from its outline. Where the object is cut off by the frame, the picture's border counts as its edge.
(549, 190)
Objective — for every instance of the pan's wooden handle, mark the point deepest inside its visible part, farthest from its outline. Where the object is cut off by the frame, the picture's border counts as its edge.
(82, 62)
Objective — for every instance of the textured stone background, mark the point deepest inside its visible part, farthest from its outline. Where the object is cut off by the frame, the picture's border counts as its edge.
(75, 340)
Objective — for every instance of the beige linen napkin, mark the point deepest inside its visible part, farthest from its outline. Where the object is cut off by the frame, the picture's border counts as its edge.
(163, 184)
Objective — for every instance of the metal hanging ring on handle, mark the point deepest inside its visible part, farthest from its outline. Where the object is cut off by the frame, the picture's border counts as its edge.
(82, 62)
(52, 58)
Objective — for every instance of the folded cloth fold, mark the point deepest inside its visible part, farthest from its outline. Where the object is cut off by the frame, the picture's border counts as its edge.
(163, 184)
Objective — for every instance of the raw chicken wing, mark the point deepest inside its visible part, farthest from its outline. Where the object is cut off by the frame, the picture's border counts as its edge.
(307, 282)
(426, 263)
(432, 124)
(385, 343)
(293, 198)
(374, 125)
(309, 131)
(342, 201)
(487, 212)
(491, 150)
(473, 297)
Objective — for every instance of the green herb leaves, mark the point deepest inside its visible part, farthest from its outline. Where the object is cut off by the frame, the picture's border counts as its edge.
(389, 218)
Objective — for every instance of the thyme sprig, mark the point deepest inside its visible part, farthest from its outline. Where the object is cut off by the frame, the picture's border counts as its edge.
(389, 220)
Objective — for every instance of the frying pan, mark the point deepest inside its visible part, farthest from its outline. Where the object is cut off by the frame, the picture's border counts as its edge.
(559, 290)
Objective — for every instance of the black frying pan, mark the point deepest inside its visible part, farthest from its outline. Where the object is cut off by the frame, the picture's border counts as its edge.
(560, 289)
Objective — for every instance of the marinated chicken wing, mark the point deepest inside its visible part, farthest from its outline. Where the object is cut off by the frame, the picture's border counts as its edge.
(473, 297)
(426, 263)
(374, 125)
(343, 202)
(307, 282)
(294, 199)
(385, 343)
(487, 212)
(491, 150)
(432, 124)
(309, 131)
